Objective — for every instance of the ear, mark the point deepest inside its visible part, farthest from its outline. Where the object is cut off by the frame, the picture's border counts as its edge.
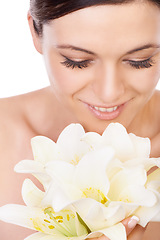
(37, 40)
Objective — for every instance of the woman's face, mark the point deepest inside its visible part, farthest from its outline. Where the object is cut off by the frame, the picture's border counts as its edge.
(104, 62)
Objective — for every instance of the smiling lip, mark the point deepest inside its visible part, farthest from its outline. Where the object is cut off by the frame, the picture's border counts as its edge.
(106, 113)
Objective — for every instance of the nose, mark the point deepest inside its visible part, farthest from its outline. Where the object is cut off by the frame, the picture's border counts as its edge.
(108, 84)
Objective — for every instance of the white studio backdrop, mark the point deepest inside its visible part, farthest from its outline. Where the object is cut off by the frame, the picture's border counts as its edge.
(21, 67)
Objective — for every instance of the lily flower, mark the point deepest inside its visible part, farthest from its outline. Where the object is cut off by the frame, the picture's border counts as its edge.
(126, 146)
(109, 198)
(64, 225)
(69, 148)
(91, 183)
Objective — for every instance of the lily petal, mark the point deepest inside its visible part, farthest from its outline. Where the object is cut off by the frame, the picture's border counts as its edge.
(116, 136)
(153, 181)
(124, 178)
(60, 196)
(129, 208)
(29, 166)
(113, 168)
(142, 146)
(32, 196)
(71, 144)
(138, 195)
(35, 168)
(56, 236)
(62, 171)
(147, 163)
(146, 214)
(91, 171)
(93, 139)
(20, 215)
(44, 149)
(43, 236)
(97, 215)
(113, 233)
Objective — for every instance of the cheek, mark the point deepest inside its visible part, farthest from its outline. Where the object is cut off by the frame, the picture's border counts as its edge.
(145, 81)
(67, 81)
(63, 79)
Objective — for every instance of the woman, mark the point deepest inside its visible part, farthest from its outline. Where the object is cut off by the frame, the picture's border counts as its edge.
(103, 63)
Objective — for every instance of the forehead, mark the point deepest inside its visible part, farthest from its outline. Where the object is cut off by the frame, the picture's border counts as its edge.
(100, 27)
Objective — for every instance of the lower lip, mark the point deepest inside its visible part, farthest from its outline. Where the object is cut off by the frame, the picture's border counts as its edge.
(106, 115)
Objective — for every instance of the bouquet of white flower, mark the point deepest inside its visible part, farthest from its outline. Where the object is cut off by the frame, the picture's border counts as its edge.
(91, 183)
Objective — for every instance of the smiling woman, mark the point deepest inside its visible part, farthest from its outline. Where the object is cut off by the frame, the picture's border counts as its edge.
(103, 64)
(27, 54)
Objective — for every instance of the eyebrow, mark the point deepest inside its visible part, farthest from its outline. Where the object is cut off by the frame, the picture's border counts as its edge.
(75, 48)
(67, 46)
(147, 46)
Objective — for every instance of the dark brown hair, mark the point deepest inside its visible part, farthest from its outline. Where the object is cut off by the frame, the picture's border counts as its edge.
(44, 11)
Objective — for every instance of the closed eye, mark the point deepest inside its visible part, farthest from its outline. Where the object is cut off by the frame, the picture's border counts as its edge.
(75, 64)
(147, 63)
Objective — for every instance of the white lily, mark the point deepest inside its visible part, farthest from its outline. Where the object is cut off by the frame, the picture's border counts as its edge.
(44, 220)
(85, 186)
(91, 183)
(74, 182)
(101, 201)
(127, 146)
(69, 148)
(151, 213)
(51, 225)
(73, 143)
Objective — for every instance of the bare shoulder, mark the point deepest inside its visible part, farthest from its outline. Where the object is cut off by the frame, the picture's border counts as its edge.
(11, 120)
(154, 110)
(13, 124)
(155, 118)
(157, 102)
(152, 230)
(17, 112)
(16, 132)
(11, 112)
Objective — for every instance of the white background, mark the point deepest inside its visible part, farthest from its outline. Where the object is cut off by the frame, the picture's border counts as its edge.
(21, 67)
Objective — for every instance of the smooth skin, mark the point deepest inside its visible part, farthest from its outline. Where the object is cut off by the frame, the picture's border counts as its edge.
(103, 56)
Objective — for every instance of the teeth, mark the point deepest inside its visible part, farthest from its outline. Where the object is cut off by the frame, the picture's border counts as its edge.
(105, 109)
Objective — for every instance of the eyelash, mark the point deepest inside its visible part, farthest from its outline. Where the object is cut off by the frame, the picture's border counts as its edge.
(141, 64)
(84, 64)
(75, 64)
